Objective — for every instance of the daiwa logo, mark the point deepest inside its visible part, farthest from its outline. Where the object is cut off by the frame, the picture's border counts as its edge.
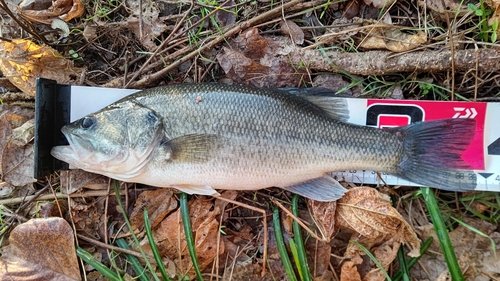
(393, 115)
(463, 112)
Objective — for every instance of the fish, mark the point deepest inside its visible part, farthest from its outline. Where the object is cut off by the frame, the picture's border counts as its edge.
(200, 138)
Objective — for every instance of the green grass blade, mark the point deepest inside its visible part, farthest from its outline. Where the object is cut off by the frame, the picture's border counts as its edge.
(139, 270)
(186, 221)
(478, 232)
(403, 267)
(91, 260)
(412, 261)
(303, 267)
(372, 257)
(278, 233)
(442, 234)
(154, 249)
(116, 186)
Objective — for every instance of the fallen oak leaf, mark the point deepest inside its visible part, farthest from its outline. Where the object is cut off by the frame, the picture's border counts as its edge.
(40, 249)
(22, 61)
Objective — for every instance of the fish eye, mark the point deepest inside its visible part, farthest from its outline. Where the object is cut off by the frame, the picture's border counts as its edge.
(87, 122)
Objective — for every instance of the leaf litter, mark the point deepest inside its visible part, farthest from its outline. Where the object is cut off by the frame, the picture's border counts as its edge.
(260, 56)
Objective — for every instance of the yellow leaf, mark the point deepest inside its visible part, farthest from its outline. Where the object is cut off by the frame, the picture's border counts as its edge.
(22, 61)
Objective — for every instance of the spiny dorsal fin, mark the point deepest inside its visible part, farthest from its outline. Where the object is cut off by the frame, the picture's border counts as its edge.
(333, 105)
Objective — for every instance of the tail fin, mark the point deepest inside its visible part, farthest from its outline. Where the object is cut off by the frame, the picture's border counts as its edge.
(432, 154)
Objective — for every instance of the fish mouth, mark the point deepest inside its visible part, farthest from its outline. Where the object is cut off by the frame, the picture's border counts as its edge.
(77, 151)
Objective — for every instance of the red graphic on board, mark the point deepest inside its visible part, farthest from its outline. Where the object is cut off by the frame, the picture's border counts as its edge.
(392, 113)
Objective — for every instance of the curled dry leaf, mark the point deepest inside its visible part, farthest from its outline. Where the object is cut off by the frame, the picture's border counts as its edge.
(159, 204)
(40, 249)
(393, 39)
(46, 11)
(366, 211)
(16, 153)
(259, 61)
(323, 215)
(22, 61)
(171, 240)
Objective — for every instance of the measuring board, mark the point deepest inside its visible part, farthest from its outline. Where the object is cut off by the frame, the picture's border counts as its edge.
(392, 113)
(483, 154)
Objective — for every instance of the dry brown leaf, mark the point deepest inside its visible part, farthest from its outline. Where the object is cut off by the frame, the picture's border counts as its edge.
(323, 215)
(259, 61)
(384, 249)
(40, 249)
(227, 16)
(43, 11)
(349, 272)
(16, 153)
(291, 29)
(495, 17)
(152, 25)
(22, 61)
(443, 7)
(367, 212)
(171, 241)
(74, 180)
(474, 252)
(159, 204)
(392, 39)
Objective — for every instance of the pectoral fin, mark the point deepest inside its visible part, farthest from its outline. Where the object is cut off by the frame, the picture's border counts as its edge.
(323, 189)
(193, 148)
(197, 189)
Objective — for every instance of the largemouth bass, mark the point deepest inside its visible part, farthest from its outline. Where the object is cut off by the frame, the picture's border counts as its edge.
(198, 138)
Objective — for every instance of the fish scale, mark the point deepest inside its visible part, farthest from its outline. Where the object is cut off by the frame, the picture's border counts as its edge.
(213, 136)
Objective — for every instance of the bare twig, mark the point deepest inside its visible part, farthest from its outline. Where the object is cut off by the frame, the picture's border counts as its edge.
(383, 63)
(92, 193)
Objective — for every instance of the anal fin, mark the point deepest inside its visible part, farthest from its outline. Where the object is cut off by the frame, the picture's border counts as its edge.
(197, 189)
(324, 189)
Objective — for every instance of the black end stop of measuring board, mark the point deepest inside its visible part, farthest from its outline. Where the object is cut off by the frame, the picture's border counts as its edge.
(52, 112)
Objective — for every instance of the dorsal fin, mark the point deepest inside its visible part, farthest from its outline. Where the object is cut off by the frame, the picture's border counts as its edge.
(333, 105)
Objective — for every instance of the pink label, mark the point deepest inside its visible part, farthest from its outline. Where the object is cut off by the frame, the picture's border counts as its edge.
(393, 113)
